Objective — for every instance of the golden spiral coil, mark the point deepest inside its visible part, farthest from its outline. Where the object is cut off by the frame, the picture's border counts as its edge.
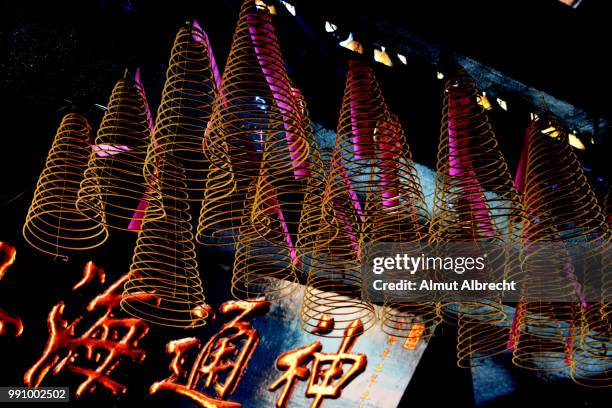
(164, 262)
(562, 208)
(53, 225)
(256, 124)
(329, 252)
(372, 160)
(471, 169)
(261, 267)
(114, 174)
(184, 111)
(475, 201)
(221, 213)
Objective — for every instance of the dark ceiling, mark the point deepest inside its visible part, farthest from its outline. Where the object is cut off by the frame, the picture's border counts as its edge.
(66, 55)
(544, 43)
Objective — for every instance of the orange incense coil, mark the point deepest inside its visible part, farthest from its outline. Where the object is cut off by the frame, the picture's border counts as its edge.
(256, 111)
(222, 207)
(308, 238)
(372, 161)
(395, 211)
(475, 196)
(475, 200)
(591, 357)
(374, 178)
(114, 175)
(165, 263)
(276, 210)
(53, 225)
(328, 250)
(261, 268)
(184, 110)
(561, 208)
(334, 286)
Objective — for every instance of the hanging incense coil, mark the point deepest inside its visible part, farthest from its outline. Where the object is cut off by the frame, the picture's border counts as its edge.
(114, 174)
(256, 111)
(475, 196)
(373, 163)
(395, 211)
(562, 209)
(53, 225)
(591, 356)
(222, 208)
(371, 159)
(184, 110)
(164, 263)
(261, 267)
(329, 253)
(475, 201)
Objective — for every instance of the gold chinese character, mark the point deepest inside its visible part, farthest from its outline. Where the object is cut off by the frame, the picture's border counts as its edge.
(220, 363)
(415, 334)
(327, 376)
(94, 352)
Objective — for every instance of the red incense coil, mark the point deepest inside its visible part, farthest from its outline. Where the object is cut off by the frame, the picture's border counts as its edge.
(561, 208)
(165, 263)
(184, 111)
(395, 211)
(374, 179)
(114, 175)
(53, 225)
(475, 200)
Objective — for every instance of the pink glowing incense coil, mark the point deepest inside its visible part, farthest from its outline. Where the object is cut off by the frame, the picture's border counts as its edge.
(561, 207)
(164, 263)
(53, 225)
(328, 252)
(371, 162)
(184, 111)
(256, 125)
(475, 197)
(475, 200)
(373, 179)
(114, 175)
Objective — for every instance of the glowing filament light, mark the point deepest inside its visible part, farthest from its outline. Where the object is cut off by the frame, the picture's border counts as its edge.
(575, 142)
(352, 44)
(502, 104)
(551, 131)
(439, 75)
(261, 5)
(484, 101)
(329, 27)
(382, 57)
(290, 7)
(402, 58)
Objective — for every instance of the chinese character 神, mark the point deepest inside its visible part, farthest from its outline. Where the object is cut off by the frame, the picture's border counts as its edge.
(97, 351)
(219, 364)
(327, 377)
